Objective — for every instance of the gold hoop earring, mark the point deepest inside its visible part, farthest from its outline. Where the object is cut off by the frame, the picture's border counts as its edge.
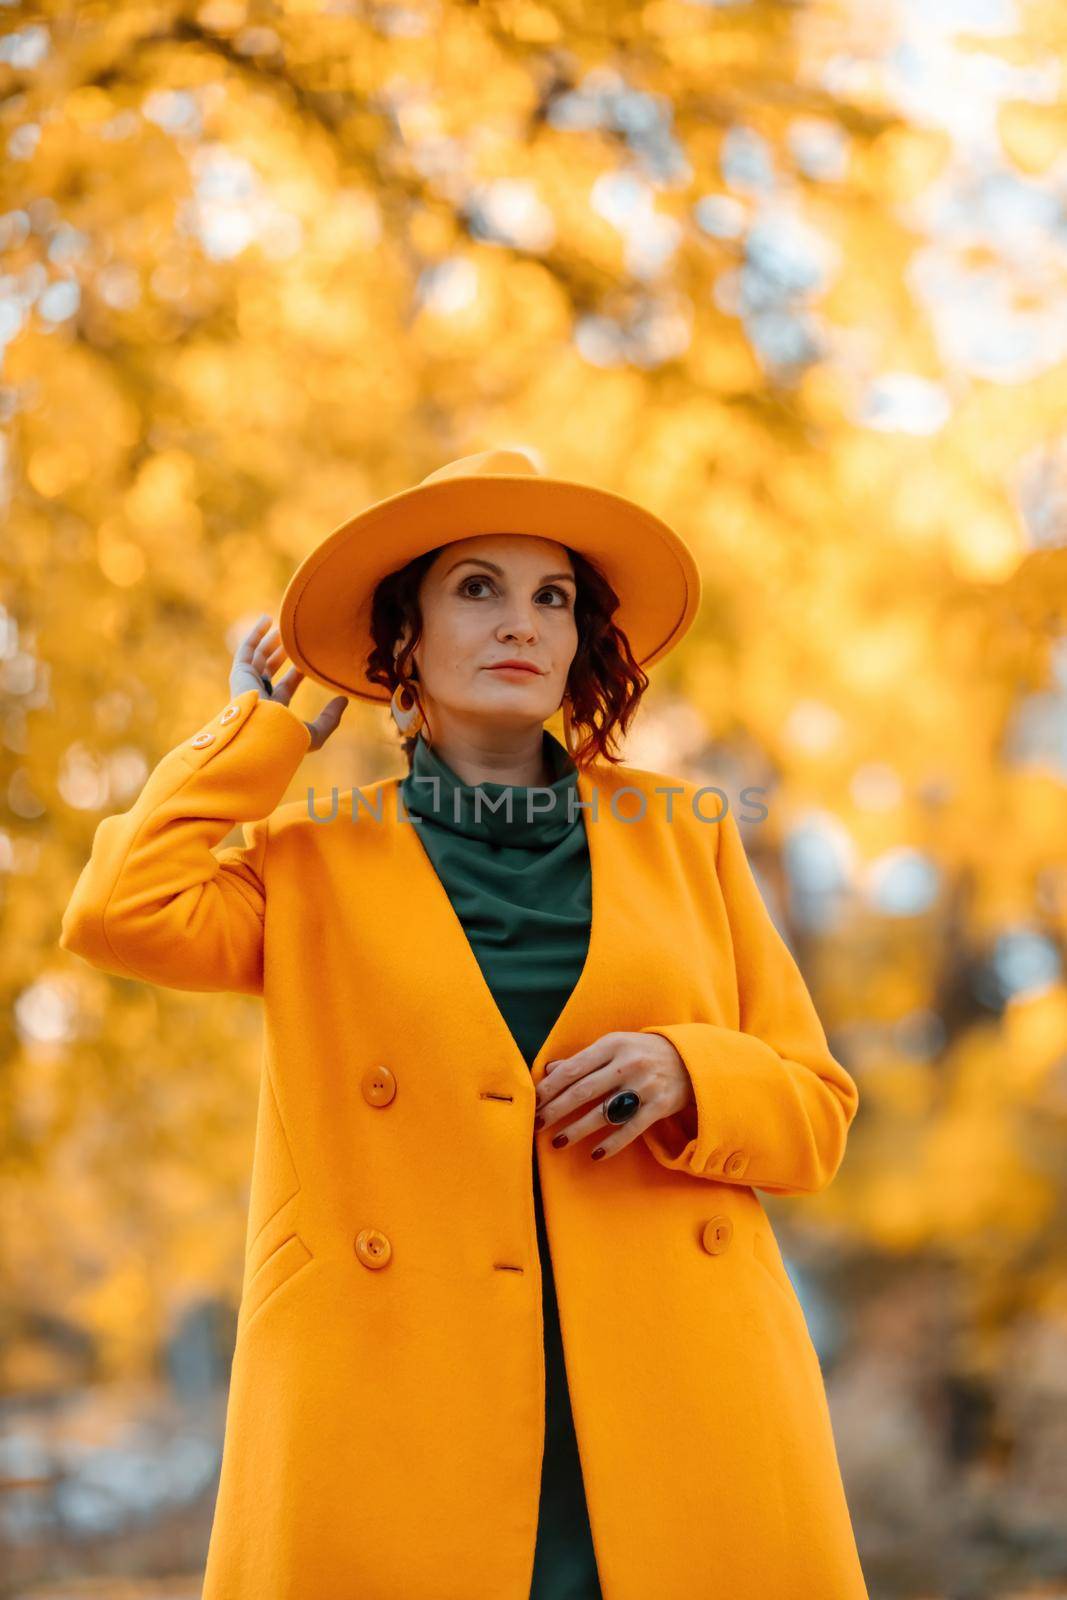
(409, 719)
(568, 729)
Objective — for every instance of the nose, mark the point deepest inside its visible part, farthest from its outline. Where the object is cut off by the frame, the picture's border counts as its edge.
(520, 622)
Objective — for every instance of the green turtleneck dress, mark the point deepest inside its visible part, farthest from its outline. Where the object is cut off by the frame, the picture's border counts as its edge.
(522, 890)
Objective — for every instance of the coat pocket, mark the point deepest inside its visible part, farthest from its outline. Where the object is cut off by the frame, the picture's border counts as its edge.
(275, 1182)
(768, 1257)
(278, 1268)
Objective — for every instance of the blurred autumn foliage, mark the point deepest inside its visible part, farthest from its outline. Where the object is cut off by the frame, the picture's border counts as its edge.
(792, 275)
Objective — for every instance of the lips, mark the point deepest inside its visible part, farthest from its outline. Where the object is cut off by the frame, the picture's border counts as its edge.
(517, 666)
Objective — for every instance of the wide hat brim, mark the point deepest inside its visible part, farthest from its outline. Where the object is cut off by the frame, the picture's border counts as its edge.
(326, 608)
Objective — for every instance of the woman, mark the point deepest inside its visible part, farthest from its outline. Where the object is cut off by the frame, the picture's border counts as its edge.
(458, 1376)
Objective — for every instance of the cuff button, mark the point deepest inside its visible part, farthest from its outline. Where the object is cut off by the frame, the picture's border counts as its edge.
(229, 714)
(736, 1162)
(201, 740)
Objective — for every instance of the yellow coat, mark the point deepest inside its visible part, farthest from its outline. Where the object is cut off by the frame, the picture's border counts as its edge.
(385, 1420)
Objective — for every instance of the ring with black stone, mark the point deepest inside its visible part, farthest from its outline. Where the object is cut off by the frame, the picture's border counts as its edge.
(621, 1107)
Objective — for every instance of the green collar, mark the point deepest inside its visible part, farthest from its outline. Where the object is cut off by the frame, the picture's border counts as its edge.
(538, 816)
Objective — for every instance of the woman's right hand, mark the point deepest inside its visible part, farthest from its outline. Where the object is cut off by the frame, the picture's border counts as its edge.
(259, 655)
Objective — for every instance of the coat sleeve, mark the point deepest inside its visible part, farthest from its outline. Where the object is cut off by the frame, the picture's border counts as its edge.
(157, 900)
(772, 1105)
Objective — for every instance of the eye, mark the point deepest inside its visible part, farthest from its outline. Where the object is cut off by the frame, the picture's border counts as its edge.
(472, 579)
(554, 588)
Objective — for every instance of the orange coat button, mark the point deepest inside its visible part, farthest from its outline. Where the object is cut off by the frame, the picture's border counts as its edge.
(229, 714)
(717, 1235)
(735, 1162)
(372, 1247)
(378, 1085)
(201, 740)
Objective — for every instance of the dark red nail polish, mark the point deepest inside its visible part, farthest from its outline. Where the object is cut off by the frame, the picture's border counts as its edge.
(539, 1122)
(560, 1140)
(597, 1154)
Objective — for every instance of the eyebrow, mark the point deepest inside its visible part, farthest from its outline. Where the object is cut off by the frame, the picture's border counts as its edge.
(474, 561)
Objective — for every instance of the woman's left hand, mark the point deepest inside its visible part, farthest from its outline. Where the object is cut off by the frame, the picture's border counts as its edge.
(646, 1063)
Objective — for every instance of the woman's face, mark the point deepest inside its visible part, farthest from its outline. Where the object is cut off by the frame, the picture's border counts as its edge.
(490, 598)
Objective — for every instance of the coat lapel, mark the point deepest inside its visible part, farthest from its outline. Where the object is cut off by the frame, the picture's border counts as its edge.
(585, 1014)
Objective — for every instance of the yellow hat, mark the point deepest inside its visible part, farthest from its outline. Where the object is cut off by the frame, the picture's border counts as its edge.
(326, 609)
